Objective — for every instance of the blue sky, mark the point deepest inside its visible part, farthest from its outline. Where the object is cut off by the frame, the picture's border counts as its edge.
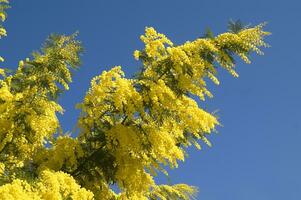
(256, 154)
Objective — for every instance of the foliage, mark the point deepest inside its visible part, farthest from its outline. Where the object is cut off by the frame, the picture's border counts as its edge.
(129, 129)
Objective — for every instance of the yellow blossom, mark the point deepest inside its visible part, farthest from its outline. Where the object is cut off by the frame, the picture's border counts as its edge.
(129, 129)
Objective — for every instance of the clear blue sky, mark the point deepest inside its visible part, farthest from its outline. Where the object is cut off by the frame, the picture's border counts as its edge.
(256, 154)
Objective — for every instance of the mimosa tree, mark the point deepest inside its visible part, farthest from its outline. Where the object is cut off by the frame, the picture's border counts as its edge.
(129, 128)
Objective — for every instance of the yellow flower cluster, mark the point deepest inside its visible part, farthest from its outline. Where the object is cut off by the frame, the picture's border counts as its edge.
(59, 185)
(49, 186)
(28, 110)
(154, 44)
(65, 153)
(132, 134)
(109, 93)
(129, 129)
(145, 123)
(25, 122)
(187, 65)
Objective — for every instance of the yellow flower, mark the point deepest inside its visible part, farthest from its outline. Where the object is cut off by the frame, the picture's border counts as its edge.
(136, 54)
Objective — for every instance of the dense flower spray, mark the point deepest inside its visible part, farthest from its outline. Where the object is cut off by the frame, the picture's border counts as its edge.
(129, 129)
